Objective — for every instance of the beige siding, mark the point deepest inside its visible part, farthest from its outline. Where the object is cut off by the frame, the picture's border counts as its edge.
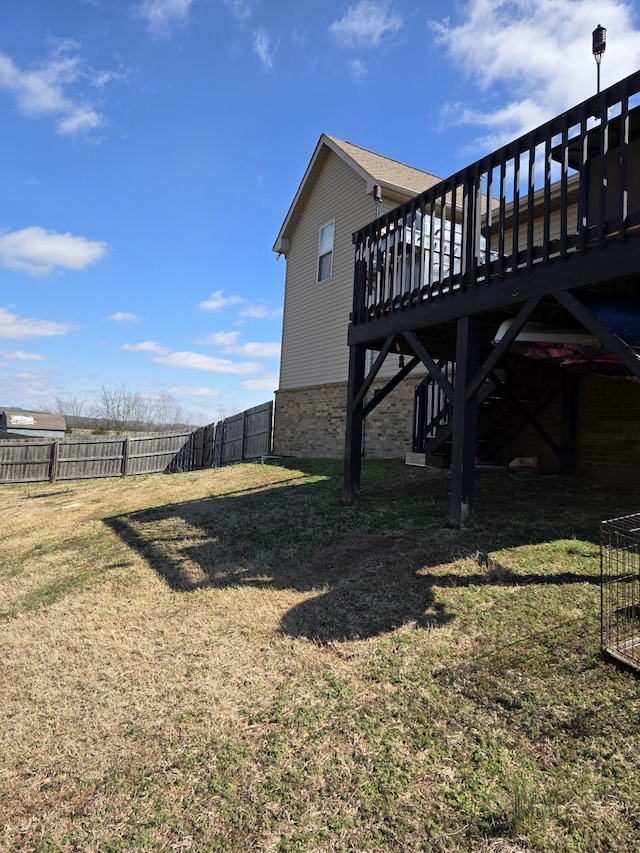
(538, 230)
(316, 314)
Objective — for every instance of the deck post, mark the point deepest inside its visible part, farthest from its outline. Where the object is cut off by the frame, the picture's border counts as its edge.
(465, 417)
(353, 430)
(570, 383)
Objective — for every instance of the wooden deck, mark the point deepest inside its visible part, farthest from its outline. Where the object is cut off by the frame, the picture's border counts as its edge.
(534, 232)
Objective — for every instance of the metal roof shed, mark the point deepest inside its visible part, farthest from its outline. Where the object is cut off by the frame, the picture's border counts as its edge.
(32, 424)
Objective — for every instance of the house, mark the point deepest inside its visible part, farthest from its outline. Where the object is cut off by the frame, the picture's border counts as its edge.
(32, 424)
(343, 188)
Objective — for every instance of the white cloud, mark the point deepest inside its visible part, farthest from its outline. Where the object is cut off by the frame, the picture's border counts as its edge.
(229, 343)
(539, 51)
(259, 311)
(124, 317)
(44, 91)
(147, 346)
(198, 361)
(37, 252)
(19, 355)
(102, 78)
(191, 360)
(27, 387)
(217, 301)
(262, 47)
(18, 328)
(265, 383)
(259, 350)
(161, 14)
(365, 24)
(222, 339)
(358, 70)
(240, 9)
(194, 392)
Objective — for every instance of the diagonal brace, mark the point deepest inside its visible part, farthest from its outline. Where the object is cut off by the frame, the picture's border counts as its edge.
(512, 333)
(615, 345)
(434, 371)
(373, 372)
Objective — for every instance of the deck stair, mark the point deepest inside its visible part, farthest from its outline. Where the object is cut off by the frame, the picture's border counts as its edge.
(509, 400)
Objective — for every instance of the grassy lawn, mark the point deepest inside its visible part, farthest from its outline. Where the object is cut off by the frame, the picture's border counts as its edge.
(230, 660)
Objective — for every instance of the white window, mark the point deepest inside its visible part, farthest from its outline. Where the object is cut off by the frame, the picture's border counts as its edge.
(325, 251)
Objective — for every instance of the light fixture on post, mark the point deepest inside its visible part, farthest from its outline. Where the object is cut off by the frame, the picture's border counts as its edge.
(598, 46)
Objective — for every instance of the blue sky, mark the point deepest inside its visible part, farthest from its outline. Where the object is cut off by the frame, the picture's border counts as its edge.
(151, 149)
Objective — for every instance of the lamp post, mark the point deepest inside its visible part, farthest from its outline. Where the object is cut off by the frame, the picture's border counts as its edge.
(598, 46)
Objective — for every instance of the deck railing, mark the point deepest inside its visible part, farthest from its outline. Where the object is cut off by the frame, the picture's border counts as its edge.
(566, 187)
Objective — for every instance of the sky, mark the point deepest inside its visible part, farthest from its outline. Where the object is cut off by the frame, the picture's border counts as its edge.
(151, 150)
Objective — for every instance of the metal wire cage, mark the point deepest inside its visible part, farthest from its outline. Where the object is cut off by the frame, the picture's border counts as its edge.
(620, 589)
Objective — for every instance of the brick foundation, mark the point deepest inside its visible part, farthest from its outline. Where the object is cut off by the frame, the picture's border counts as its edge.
(311, 422)
(608, 440)
(609, 430)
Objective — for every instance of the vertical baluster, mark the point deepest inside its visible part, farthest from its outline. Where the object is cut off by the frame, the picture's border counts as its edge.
(452, 234)
(546, 211)
(564, 174)
(583, 197)
(623, 197)
(531, 190)
(515, 229)
(488, 226)
(441, 238)
(503, 205)
(388, 264)
(432, 232)
(602, 181)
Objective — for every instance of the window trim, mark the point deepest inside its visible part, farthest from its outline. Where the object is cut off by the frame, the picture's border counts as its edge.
(330, 251)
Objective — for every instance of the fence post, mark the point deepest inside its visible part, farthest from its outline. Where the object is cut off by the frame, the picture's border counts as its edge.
(55, 450)
(217, 445)
(244, 435)
(126, 450)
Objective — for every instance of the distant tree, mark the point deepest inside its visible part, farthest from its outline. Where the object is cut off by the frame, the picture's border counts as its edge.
(121, 409)
(66, 405)
(227, 410)
(166, 411)
(118, 408)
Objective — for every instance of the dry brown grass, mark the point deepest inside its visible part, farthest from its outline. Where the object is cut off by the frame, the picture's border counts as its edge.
(228, 660)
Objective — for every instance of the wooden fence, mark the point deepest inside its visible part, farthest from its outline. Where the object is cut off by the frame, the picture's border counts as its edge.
(244, 436)
(236, 439)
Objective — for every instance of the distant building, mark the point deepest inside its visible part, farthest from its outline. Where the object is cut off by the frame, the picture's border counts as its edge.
(32, 424)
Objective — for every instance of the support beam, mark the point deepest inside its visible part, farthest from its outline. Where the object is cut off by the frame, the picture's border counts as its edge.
(353, 430)
(465, 418)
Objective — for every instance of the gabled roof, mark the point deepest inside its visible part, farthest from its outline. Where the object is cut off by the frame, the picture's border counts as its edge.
(397, 180)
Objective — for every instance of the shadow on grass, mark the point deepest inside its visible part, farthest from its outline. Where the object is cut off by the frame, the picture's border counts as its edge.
(374, 566)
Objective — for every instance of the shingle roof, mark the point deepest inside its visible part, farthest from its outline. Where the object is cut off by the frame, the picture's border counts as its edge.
(401, 181)
(385, 170)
